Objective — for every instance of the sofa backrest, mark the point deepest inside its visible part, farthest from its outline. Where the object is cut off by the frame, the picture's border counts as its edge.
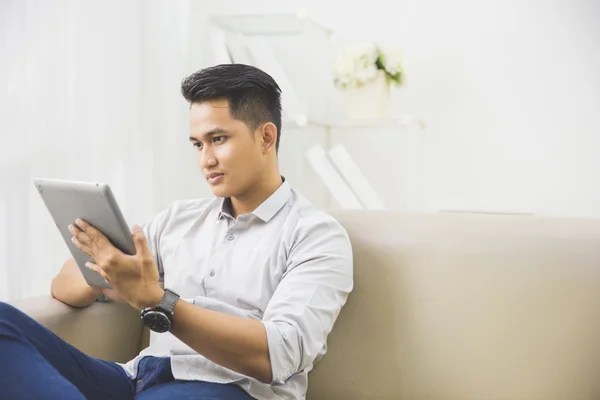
(466, 307)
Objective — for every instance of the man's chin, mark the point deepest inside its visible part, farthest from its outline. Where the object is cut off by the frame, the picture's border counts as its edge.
(220, 191)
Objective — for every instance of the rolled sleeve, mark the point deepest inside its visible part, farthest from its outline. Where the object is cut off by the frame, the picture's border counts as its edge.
(309, 298)
(153, 231)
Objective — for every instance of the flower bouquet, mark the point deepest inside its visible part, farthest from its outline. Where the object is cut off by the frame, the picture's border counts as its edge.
(365, 72)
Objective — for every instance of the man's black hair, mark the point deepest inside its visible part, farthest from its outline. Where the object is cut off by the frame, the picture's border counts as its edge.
(254, 96)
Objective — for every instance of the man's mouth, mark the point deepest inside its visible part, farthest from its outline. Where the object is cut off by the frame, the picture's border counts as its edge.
(214, 177)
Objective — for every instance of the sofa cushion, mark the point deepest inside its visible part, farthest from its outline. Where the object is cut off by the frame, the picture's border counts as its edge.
(467, 307)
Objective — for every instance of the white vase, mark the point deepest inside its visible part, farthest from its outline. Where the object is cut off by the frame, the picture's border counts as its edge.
(371, 101)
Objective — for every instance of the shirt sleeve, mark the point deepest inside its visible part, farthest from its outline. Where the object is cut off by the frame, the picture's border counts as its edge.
(153, 231)
(307, 301)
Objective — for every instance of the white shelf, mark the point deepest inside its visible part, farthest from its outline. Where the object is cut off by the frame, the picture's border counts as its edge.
(351, 123)
(265, 24)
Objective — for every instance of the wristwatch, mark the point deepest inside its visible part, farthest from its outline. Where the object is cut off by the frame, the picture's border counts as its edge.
(160, 317)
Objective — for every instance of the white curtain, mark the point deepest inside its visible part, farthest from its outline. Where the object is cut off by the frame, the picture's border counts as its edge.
(89, 90)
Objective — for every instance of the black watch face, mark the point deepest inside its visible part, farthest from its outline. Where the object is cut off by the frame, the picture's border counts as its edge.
(157, 321)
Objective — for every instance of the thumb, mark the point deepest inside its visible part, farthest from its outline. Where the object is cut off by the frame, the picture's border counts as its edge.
(139, 240)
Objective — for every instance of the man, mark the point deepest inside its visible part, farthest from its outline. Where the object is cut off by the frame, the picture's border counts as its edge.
(254, 278)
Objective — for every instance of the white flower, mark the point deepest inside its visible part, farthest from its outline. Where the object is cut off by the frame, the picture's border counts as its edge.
(356, 66)
(392, 60)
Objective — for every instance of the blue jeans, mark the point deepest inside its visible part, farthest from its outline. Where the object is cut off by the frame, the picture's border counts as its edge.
(37, 364)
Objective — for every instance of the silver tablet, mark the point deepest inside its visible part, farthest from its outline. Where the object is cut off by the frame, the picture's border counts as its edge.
(94, 203)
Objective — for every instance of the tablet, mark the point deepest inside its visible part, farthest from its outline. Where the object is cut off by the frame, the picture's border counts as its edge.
(94, 203)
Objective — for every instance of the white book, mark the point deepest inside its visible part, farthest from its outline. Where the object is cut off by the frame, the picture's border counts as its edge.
(218, 46)
(355, 178)
(238, 49)
(338, 188)
(265, 59)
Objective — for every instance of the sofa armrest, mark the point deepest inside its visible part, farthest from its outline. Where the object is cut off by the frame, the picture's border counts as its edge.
(106, 330)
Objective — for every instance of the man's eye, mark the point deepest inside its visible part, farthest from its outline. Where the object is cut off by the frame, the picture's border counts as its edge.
(198, 145)
(217, 139)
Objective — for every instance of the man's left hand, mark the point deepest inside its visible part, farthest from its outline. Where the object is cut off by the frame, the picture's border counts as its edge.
(133, 277)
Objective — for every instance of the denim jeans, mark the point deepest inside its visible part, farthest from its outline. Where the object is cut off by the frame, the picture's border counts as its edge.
(37, 364)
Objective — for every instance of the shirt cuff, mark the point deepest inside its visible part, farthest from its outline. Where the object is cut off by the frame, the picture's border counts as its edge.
(281, 362)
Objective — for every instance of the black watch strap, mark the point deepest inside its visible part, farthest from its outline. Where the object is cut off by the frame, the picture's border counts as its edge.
(167, 304)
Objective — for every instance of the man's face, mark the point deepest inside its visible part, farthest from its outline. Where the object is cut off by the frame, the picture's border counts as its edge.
(228, 154)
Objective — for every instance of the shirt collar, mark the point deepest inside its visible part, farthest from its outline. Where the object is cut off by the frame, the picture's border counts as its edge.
(267, 209)
(226, 210)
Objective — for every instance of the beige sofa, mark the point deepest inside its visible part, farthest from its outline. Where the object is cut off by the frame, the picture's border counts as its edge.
(445, 306)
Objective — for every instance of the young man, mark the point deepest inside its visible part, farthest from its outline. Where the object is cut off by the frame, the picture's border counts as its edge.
(254, 278)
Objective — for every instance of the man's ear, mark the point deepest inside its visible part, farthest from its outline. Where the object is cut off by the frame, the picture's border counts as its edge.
(268, 136)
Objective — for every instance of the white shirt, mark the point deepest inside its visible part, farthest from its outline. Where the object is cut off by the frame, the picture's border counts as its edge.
(286, 264)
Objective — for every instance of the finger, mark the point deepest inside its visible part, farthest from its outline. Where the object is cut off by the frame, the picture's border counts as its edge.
(139, 239)
(89, 230)
(82, 224)
(96, 268)
(86, 249)
(92, 237)
(81, 236)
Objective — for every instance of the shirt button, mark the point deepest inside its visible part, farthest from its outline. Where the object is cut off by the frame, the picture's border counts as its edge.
(230, 237)
(212, 272)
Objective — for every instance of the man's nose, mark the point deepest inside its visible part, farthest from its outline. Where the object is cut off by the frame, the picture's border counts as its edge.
(208, 159)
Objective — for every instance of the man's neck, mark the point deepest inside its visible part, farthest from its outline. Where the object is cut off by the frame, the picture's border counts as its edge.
(250, 202)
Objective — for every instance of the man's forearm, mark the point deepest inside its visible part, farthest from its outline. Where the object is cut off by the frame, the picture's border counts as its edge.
(73, 295)
(239, 344)
(70, 287)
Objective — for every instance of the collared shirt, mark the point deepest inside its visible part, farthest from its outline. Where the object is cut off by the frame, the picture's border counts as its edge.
(286, 264)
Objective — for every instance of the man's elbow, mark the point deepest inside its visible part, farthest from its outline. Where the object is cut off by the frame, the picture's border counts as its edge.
(74, 296)
(263, 371)
(54, 291)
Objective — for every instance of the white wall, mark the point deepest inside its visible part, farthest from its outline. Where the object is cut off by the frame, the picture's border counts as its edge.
(515, 121)
(88, 91)
(509, 91)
